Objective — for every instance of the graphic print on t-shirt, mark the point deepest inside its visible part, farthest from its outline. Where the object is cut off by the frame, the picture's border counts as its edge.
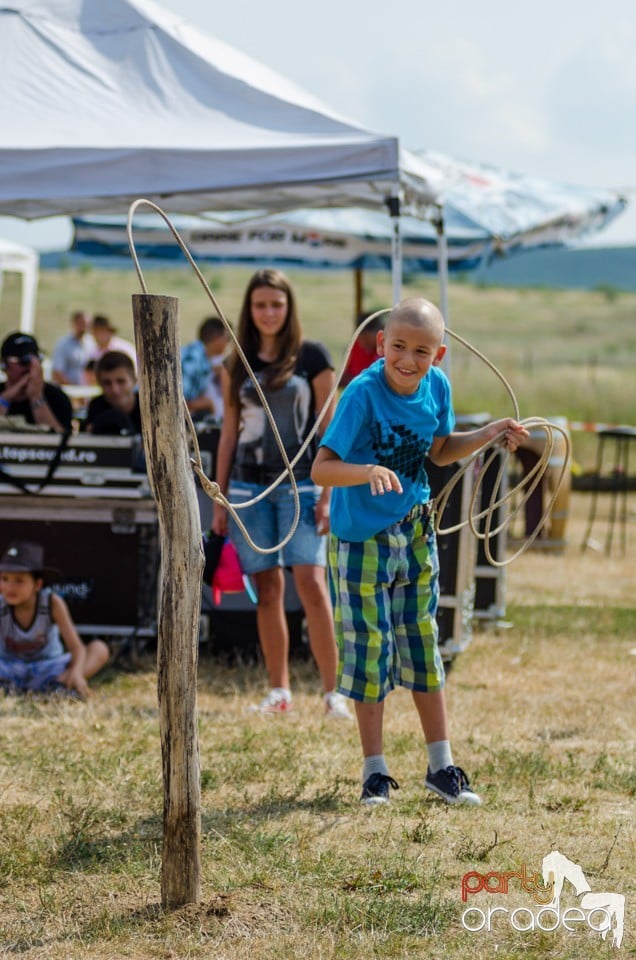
(291, 408)
(399, 449)
(26, 649)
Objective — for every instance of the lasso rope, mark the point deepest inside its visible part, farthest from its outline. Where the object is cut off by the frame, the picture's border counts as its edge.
(530, 481)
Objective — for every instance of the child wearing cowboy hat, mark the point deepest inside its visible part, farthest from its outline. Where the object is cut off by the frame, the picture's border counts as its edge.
(40, 649)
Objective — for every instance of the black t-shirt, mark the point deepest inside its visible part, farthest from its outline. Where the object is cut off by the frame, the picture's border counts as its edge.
(293, 408)
(57, 400)
(106, 419)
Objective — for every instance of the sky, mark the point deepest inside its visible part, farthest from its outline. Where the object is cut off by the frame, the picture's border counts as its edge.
(547, 89)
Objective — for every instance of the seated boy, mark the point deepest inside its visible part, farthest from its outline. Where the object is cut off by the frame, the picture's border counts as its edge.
(40, 648)
(116, 411)
(383, 563)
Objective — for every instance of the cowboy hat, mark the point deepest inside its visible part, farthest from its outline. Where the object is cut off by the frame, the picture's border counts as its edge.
(25, 556)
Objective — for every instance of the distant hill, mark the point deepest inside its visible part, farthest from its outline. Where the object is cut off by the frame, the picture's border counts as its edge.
(584, 268)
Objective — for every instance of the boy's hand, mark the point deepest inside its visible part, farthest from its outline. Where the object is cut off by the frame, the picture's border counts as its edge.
(383, 480)
(17, 390)
(74, 680)
(34, 381)
(321, 513)
(514, 434)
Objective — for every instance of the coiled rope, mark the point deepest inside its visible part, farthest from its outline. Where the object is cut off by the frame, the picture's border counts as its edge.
(490, 530)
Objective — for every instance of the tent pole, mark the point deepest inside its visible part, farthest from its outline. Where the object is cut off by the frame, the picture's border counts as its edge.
(393, 203)
(442, 265)
(29, 291)
(442, 273)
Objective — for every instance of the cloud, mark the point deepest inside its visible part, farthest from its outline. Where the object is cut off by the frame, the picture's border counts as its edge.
(458, 99)
(590, 103)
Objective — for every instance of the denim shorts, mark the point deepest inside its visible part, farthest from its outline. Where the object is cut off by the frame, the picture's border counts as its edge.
(385, 592)
(34, 674)
(270, 520)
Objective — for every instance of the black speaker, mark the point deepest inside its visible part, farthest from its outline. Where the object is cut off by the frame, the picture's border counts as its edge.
(448, 545)
(490, 579)
(234, 636)
(456, 562)
(208, 440)
(233, 629)
(108, 569)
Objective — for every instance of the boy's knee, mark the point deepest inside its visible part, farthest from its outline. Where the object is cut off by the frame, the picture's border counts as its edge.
(100, 651)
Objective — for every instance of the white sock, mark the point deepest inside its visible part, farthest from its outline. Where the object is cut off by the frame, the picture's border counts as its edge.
(439, 755)
(283, 693)
(374, 764)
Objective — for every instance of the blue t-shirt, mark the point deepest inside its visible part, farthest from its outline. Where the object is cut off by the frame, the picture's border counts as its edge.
(373, 424)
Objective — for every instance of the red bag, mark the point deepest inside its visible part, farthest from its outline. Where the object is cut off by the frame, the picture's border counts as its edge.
(228, 576)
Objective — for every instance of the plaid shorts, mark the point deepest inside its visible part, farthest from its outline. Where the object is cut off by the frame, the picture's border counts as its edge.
(385, 592)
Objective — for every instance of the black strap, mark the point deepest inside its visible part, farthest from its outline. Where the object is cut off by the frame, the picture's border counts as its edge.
(53, 465)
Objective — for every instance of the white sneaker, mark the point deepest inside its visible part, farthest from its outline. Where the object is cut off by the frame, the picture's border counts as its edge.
(336, 706)
(277, 700)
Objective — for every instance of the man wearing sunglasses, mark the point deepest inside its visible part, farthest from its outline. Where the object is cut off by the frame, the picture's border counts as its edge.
(25, 392)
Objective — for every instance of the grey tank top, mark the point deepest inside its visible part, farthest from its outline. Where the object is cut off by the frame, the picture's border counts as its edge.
(40, 641)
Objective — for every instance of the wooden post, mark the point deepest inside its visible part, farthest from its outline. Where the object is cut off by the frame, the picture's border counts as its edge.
(172, 482)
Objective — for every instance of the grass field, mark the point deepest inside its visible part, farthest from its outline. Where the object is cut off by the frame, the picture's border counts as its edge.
(543, 717)
(542, 712)
(565, 353)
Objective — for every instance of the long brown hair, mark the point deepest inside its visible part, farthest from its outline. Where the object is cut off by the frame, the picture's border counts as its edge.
(287, 340)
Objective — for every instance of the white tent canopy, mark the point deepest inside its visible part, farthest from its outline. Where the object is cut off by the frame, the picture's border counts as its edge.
(18, 259)
(517, 209)
(104, 103)
(486, 211)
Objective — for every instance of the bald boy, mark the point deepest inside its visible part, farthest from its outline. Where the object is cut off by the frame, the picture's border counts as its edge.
(383, 562)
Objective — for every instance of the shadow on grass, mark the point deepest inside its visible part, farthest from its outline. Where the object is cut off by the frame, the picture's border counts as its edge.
(139, 848)
(82, 849)
(334, 799)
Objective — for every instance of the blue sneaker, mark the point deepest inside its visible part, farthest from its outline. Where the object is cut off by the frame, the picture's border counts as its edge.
(376, 789)
(451, 784)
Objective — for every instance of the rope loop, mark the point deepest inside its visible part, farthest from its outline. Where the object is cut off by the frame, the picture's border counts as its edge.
(479, 462)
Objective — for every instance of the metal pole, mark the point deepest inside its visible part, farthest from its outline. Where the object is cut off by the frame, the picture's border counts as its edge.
(442, 265)
(393, 204)
(442, 275)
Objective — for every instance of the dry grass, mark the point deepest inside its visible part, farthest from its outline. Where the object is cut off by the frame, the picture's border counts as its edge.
(542, 714)
(543, 719)
(580, 577)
